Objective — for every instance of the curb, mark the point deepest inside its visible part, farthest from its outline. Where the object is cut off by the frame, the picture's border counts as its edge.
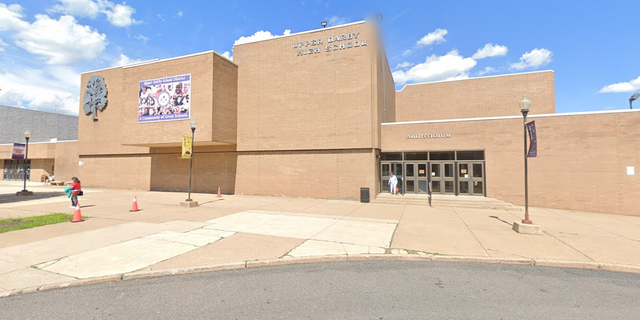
(611, 267)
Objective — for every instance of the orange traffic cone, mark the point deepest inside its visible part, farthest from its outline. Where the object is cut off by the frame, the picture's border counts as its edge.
(134, 206)
(219, 194)
(77, 216)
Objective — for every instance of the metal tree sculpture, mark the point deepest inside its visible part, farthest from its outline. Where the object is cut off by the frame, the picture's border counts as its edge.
(95, 96)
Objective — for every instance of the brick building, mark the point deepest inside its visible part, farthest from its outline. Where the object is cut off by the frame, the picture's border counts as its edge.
(315, 114)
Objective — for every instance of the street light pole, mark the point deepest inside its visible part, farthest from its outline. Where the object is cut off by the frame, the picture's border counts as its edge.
(525, 103)
(193, 132)
(25, 192)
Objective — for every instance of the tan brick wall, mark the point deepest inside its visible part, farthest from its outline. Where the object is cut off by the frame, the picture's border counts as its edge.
(581, 163)
(45, 157)
(314, 174)
(213, 96)
(104, 136)
(210, 171)
(324, 100)
(116, 171)
(41, 168)
(477, 98)
(225, 101)
(66, 161)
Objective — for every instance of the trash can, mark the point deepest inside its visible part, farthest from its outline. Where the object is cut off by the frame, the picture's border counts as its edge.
(364, 195)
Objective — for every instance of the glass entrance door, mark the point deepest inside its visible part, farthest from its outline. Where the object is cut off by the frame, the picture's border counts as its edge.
(471, 178)
(442, 177)
(386, 169)
(416, 178)
(14, 170)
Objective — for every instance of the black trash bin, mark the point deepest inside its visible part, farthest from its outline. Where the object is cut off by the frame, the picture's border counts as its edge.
(364, 195)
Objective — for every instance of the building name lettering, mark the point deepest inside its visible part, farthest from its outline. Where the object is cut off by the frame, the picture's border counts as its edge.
(334, 43)
(429, 136)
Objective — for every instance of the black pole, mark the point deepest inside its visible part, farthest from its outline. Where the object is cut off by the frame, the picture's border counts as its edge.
(526, 173)
(26, 156)
(630, 104)
(193, 132)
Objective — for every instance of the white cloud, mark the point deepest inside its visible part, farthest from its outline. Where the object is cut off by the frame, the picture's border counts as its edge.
(403, 65)
(487, 70)
(120, 15)
(48, 89)
(622, 87)
(123, 60)
(451, 66)
(490, 50)
(62, 41)
(533, 59)
(180, 14)
(433, 38)
(142, 38)
(161, 17)
(227, 55)
(336, 21)
(260, 35)
(11, 17)
(2, 45)
(77, 8)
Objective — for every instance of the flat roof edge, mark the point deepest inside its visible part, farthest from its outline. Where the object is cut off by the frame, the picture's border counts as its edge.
(475, 78)
(158, 60)
(512, 117)
(303, 32)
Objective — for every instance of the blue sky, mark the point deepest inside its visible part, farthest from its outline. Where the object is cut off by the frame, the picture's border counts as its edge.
(593, 47)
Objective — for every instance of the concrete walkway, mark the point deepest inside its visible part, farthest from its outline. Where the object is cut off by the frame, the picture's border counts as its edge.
(248, 231)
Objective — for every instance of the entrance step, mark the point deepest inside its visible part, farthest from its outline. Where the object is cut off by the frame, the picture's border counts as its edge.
(442, 201)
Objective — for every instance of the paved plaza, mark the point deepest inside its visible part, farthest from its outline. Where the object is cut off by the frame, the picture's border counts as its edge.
(239, 231)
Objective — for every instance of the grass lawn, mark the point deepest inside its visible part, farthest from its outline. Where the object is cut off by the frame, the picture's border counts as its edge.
(32, 222)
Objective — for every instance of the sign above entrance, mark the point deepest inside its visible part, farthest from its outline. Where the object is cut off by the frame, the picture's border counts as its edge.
(429, 136)
(333, 43)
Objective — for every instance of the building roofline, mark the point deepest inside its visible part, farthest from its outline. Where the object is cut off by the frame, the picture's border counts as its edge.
(513, 117)
(39, 142)
(303, 32)
(475, 78)
(34, 110)
(157, 60)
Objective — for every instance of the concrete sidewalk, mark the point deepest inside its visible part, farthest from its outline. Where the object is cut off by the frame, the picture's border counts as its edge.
(246, 231)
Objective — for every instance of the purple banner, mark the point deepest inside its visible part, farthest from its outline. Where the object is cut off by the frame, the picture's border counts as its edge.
(165, 99)
(533, 141)
(18, 151)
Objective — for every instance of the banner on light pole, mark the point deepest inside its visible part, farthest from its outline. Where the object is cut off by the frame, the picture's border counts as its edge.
(18, 151)
(533, 141)
(186, 147)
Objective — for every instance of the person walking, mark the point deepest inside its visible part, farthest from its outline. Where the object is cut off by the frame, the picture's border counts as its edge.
(75, 191)
(393, 182)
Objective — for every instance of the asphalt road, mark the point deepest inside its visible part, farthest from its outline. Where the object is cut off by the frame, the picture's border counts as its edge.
(347, 290)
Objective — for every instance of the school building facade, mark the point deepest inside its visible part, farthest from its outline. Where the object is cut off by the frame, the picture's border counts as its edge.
(316, 114)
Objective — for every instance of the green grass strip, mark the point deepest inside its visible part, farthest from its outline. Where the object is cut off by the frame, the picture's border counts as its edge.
(32, 222)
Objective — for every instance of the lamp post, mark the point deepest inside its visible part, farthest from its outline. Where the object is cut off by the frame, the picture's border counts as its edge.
(25, 192)
(525, 103)
(633, 97)
(193, 132)
(323, 24)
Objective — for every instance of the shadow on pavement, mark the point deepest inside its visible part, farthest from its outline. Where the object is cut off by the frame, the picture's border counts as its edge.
(11, 197)
(507, 222)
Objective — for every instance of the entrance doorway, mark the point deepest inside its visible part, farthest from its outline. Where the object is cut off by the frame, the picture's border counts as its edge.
(460, 173)
(14, 170)
(386, 170)
(471, 178)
